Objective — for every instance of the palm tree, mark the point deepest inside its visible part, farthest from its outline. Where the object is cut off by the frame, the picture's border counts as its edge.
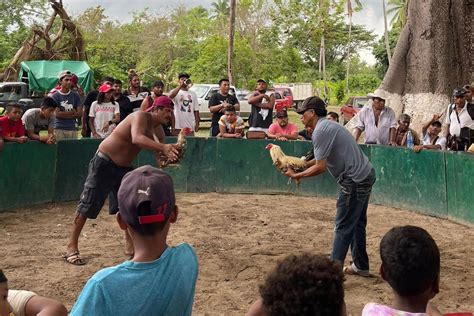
(349, 13)
(387, 43)
(230, 52)
(220, 9)
(399, 10)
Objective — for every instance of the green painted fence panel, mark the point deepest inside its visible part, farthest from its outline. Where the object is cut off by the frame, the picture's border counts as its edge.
(245, 166)
(321, 185)
(460, 185)
(202, 171)
(405, 179)
(26, 174)
(72, 161)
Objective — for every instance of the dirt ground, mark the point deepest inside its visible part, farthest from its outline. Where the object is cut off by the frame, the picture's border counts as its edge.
(238, 239)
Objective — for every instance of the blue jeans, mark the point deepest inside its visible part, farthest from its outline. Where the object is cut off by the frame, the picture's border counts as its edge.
(351, 220)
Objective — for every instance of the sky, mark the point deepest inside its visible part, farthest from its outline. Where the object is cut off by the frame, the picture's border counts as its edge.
(371, 15)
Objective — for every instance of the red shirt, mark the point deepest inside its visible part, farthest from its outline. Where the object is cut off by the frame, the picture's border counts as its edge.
(11, 128)
(289, 129)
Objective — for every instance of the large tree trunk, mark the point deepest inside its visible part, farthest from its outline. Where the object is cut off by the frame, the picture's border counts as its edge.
(434, 55)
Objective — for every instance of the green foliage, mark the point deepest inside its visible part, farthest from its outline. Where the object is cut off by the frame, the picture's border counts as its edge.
(380, 52)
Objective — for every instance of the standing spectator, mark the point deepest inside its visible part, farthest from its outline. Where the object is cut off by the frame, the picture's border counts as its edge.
(261, 113)
(135, 93)
(121, 99)
(469, 91)
(401, 133)
(38, 119)
(411, 266)
(282, 129)
(378, 121)
(12, 127)
(333, 116)
(26, 303)
(186, 110)
(460, 122)
(231, 125)
(156, 92)
(219, 102)
(302, 285)
(104, 114)
(431, 138)
(336, 150)
(159, 279)
(91, 97)
(69, 109)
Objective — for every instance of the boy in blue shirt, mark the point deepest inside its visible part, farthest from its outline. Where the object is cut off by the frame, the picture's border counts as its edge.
(158, 280)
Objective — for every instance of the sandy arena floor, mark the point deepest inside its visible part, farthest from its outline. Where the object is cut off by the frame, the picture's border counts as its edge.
(238, 239)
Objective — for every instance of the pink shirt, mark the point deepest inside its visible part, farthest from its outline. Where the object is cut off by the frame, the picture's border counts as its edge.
(373, 309)
(289, 129)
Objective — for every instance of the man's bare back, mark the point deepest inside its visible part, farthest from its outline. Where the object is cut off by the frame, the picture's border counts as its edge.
(126, 141)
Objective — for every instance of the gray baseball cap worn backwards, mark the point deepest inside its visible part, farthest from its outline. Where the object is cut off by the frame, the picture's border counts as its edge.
(146, 185)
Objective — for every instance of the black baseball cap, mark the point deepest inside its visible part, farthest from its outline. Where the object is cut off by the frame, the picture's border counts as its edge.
(315, 103)
(146, 184)
(261, 80)
(282, 113)
(459, 92)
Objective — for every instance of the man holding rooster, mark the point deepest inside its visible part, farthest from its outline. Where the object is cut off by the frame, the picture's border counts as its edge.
(336, 150)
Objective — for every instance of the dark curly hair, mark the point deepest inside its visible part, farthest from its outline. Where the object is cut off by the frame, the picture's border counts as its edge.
(410, 260)
(306, 284)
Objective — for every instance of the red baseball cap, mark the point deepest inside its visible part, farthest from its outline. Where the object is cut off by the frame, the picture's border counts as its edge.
(105, 88)
(161, 102)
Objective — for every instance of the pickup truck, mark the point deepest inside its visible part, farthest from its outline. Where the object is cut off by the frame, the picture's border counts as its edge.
(17, 92)
(351, 107)
(299, 92)
(204, 92)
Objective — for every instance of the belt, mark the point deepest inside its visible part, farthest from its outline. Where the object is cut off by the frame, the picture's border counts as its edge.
(103, 156)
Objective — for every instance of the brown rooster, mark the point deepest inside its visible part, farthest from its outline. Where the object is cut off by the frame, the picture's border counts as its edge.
(180, 146)
(282, 162)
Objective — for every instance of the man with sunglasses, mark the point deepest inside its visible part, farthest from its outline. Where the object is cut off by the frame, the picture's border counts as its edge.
(377, 120)
(69, 109)
(336, 151)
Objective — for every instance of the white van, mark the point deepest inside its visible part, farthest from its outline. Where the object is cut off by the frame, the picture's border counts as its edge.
(204, 92)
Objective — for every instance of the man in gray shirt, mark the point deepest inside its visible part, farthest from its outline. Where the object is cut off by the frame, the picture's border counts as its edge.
(35, 120)
(336, 150)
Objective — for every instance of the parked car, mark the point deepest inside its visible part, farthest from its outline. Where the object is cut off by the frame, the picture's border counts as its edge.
(299, 92)
(351, 107)
(204, 92)
(17, 92)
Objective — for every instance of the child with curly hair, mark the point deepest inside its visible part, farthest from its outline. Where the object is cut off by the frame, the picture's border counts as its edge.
(306, 284)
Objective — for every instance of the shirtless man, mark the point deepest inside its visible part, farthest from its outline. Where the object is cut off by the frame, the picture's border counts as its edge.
(113, 160)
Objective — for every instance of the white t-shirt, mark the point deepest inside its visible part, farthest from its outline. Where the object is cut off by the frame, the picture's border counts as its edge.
(185, 103)
(102, 113)
(457, 121)
(439, 141)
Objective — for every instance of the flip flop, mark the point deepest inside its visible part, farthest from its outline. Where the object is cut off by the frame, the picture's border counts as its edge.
(349, 270)
(74, 258)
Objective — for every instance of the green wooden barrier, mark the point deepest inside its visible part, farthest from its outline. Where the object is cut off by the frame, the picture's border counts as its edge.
(27, 174)
(432, 182)
(72, 161)
(409, 180)
(460, 186)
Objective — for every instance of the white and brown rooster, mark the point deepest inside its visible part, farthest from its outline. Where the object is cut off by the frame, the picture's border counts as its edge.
(282, 162)
(180, 146)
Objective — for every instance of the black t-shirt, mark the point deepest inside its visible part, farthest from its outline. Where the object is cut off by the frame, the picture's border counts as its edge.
(90, 98)
(305, 134)
(136, 99)
(125, 106)
(217, 99)
(257, 118)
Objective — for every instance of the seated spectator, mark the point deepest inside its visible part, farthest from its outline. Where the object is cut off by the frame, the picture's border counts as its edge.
(333, 116)
(26, 303)
(12, 127)
(305, 134)
(159, 279)
(38, 119)
(282, 129)
(302, 285)
(401, 133)
(411, 266)
(431, 138)
(104, 114)
(230, 124)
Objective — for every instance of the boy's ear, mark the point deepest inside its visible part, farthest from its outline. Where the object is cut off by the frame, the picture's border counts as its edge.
(121, 222)
(174, 214)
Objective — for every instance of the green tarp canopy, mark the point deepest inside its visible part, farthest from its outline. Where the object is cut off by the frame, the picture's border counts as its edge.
(42, 75)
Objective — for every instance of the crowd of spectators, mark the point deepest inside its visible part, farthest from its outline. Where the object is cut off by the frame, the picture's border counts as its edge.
(107, 106)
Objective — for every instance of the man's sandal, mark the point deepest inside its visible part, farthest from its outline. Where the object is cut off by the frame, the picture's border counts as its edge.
(74, 259)
(352, 270)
